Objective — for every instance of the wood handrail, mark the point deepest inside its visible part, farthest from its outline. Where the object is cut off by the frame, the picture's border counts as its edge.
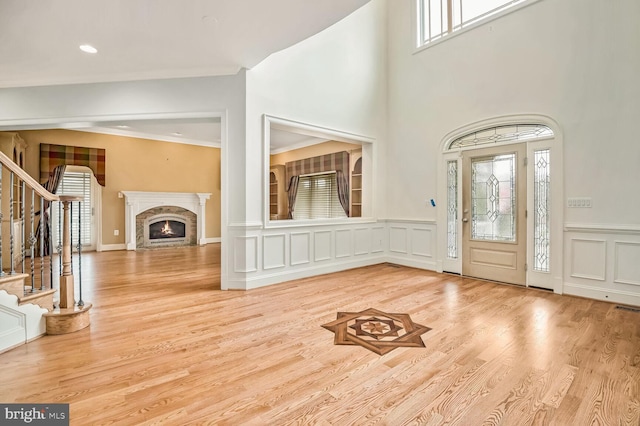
(31, 182)
(64, 198)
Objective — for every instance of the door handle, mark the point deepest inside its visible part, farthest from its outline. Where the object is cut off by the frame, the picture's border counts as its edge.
(465, 219)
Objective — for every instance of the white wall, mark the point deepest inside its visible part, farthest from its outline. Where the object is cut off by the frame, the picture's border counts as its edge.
(335, 80)
(576, 61)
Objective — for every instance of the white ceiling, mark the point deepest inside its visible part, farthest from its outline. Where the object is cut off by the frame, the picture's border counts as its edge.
(195, 131)
(282, 140)
(146, 39)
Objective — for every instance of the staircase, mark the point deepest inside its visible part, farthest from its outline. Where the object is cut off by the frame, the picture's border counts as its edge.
(33, 299)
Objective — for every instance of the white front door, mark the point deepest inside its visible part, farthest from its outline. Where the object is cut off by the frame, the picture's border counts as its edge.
(494, 203)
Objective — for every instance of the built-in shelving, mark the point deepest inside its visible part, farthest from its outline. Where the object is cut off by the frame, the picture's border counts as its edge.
(356, 189)
(273, 195)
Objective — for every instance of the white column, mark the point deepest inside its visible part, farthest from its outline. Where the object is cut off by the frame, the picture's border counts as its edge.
(201, 218)
(130, 223)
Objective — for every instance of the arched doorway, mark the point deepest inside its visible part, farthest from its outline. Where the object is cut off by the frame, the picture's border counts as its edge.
(501, 189)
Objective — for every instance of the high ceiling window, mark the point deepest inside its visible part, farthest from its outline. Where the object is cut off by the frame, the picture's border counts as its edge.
(439, 18)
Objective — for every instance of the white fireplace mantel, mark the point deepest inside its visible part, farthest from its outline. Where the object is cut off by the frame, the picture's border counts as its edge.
(136, 202)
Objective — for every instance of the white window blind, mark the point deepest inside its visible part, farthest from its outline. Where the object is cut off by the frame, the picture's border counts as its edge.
(78, 184)
(317, 198)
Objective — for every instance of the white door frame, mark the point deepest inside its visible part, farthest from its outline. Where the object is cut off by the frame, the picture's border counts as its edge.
(554, 278)
(67, 122)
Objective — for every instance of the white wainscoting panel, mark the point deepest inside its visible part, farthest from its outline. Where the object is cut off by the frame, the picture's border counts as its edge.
(588, 259)
(378, 234)
(412, 243)
(627, 263)
(343, 243)
(603, 262)
(361, 241)
(12, 328)
(273, 251)
(422, 242)
(398, 239)
(300, 243)
(291, 251)
(322, 245)
(245, 254)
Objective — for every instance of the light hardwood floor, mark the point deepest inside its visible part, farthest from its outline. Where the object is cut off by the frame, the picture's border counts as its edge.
(166, 346)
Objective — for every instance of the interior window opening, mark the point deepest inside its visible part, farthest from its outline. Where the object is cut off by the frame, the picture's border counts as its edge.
(314, 177)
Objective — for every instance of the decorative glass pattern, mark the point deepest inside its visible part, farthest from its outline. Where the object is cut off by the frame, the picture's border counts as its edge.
(452, 209)
(493, 198)
(542, 210)
(502, 134)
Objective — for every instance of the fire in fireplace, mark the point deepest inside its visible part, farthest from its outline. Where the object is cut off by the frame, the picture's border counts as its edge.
(167, 229)
(166, 226)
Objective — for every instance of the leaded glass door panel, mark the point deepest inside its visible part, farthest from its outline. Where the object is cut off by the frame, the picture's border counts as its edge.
(493, 214)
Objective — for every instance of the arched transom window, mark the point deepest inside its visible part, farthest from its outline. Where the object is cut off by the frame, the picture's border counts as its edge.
(502, 134)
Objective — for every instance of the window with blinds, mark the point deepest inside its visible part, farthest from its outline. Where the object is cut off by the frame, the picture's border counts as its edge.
(78, 184)
(317, 198)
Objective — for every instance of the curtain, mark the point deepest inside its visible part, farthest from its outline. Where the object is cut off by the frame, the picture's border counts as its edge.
(343, 190)
(337, 161)
(292, 192)
(50, 185)
(55, 155)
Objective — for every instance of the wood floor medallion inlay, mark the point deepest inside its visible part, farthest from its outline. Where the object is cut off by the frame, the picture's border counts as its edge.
(378, 331)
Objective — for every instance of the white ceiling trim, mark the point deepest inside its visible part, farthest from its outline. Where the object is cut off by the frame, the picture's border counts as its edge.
(122, 77)
(303, 144)
(149, 136)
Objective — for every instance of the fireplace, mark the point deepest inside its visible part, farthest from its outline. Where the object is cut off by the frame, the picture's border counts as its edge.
(166, 230)
(163, 219)
(166, 226)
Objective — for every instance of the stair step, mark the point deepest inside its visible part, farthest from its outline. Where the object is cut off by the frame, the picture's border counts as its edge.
(13, 283)
(67, 320)
(42, 298)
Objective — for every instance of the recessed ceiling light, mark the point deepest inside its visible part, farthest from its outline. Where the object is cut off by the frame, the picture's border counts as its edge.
(177, 134)
(88, 48)
(122, 126)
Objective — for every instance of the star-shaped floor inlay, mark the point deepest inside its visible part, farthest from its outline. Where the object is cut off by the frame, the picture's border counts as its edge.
(377, 331)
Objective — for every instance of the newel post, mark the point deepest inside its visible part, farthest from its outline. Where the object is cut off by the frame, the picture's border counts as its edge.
(66, 279)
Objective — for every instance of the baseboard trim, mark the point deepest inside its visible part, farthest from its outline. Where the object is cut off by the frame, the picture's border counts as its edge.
(607, 295)
(36, 337)
(212, 240)
(281, 277)
(8, 348)
(429, 265)
(113, 247)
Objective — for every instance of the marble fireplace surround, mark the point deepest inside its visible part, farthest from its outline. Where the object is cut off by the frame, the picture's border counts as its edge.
(136, 202)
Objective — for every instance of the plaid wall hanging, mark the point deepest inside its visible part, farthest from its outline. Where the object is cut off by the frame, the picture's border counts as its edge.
(338, 161)
(56, 155)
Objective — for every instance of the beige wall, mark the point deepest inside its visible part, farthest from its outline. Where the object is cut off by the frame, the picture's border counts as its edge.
(134, 164)
(312, 151)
